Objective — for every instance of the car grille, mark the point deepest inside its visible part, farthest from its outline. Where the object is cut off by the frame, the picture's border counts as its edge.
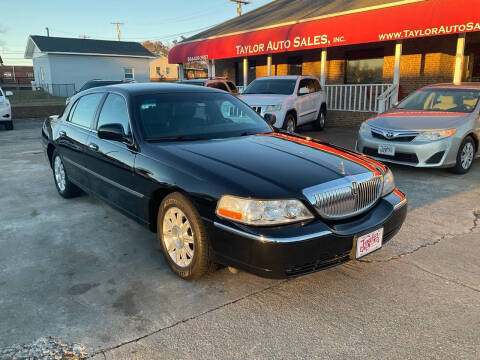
(399, 139)
(399, 156)
(258, 109)
(393, 135)
(345, 197)
(322, 264)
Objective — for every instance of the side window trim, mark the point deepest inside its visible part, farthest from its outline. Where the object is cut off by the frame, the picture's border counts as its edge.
(100, 108)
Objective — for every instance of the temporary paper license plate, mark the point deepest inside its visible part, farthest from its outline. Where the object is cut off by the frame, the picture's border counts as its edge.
(384, 149)
(369, 242)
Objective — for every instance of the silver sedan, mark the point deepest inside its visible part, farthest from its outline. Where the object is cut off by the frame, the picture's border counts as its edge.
(436, 126)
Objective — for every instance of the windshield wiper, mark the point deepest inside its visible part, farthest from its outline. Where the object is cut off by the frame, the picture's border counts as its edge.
(177, 138)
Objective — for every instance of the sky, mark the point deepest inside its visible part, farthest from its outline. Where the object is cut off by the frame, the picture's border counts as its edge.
(163, 20)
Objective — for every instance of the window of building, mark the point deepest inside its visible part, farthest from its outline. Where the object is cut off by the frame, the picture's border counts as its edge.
(114, 111)
(129, 73)
(167, 70)
(364, 67)
(7, 75)
(294, 65)
(159, 72)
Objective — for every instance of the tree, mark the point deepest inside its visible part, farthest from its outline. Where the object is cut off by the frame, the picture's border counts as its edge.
(157, 47)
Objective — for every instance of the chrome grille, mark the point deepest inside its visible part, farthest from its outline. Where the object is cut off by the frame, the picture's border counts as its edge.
(345, 197)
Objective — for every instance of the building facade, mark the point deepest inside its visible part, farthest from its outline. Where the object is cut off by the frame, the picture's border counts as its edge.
(63, 65)
(16, 77)
(161, 70)
(368, 54)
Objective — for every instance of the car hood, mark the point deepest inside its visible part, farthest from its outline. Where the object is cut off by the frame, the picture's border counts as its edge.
(274, 161)
(398, 119)
(266, 99)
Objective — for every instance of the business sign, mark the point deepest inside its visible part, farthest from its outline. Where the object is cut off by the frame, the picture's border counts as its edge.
(404, 21)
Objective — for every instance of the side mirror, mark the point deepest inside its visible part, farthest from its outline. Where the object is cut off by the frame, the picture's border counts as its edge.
(395, 105)
(111, 132)
(303, 91)
(270, 118)
(8, 93)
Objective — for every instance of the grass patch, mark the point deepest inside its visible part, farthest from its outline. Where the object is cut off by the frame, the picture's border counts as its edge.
(34, 98)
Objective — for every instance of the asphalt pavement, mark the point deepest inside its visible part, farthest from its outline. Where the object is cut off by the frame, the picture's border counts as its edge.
(81, 272)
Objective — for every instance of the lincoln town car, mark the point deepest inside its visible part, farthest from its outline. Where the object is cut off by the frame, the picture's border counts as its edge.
(218, 183)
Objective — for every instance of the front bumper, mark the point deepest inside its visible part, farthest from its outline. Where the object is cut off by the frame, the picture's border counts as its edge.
(438, 153)
(294, 250)
(5, 113)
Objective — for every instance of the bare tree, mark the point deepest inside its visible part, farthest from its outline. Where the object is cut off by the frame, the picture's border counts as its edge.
(157, 48)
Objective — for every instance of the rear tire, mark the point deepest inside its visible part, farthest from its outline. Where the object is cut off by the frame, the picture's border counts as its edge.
(290, 123)
(183, 238)
(321, 120)
(465, 156)
(64, 186)
(9, 125)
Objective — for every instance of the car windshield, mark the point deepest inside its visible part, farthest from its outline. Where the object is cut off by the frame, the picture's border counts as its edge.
(271, 86)
(195, 116)
(438, 99)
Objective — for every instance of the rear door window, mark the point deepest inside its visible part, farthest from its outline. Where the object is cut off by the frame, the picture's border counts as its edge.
(85, 109)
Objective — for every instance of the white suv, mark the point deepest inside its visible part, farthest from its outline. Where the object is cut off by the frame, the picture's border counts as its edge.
(294, 100)
(5, 110)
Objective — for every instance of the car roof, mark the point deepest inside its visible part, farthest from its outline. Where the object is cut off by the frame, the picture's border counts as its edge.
(192, 81)
(286, 77)
(151, 88)
(465, 85)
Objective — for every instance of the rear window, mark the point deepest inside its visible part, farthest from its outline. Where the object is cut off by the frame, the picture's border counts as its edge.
(85, 108)
(438, 99)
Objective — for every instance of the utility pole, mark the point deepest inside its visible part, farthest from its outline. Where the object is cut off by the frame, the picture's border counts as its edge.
(240, 3)
(83, 36)
(48, 31)
(118, 28)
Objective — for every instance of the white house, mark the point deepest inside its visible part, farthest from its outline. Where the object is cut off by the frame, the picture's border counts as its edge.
(63, 65)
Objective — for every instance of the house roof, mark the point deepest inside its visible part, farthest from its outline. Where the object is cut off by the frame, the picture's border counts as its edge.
(59, 45)
(284, 11)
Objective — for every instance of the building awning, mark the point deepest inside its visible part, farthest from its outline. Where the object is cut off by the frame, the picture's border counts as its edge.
(382, 22)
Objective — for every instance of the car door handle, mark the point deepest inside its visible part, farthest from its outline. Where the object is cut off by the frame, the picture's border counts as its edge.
(62, 133)
(93, 146)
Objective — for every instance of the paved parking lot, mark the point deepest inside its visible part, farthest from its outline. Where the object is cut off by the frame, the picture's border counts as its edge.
(80, 271)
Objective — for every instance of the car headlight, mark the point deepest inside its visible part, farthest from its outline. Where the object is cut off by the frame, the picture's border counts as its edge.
(273, 107)
(435, 135)
(364, 127)
(262, 212)
(388, 183)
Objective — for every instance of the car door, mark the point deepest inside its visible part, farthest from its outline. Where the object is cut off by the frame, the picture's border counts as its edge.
(112, 162)
(317, 97)
(305, 109)
(73, 134)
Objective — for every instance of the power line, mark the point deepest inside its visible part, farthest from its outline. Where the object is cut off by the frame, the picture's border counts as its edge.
(240, 3)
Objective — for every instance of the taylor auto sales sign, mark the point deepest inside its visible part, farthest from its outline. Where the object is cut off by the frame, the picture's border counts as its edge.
(406, 20)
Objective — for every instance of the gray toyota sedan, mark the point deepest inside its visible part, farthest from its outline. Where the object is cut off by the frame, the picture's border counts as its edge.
(436, 126)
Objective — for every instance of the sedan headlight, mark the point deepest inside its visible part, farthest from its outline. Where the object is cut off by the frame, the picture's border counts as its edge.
(435, 135)
(364, 127)
(262, 212)
(388, 183)
(273, 107)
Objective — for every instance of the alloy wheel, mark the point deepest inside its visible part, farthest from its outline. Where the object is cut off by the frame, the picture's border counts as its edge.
(178, 237)
(290, 125)
(59, 173)
(466, 156)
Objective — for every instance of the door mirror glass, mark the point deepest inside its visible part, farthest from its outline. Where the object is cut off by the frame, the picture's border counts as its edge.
(111, 132)
(8, 93)
(270, 118)
(303, 91)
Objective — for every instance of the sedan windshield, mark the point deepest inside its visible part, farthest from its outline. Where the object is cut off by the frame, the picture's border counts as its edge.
(437, 99)
(196, 116)
(271, 86)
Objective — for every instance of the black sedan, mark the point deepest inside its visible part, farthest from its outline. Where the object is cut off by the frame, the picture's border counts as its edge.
(218, 184)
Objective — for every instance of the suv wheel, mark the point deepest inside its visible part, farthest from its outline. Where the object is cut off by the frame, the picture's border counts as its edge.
(289, 124)
(183, 237)
(319, 124)
(465, 156)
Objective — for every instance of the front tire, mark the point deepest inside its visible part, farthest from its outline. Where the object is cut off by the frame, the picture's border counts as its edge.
(64, 186)
(183, 237)
(465, 156)
(9, 125)
(290, 123)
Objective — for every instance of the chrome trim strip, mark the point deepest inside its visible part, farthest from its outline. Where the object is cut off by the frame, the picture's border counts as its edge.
(270, 239)
(395, 133)
(400, 204)
(111, 182)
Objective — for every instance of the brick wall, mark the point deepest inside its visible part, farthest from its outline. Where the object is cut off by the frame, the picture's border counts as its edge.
(347, 118)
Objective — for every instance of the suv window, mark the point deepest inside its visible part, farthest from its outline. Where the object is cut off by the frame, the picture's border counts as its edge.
(85, 109)
(114, 111)
(308, 83)
(217, 85)
(316, 85)
(232, 86)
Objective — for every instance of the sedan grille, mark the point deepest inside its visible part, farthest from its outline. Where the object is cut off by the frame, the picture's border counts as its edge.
(345, 197)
